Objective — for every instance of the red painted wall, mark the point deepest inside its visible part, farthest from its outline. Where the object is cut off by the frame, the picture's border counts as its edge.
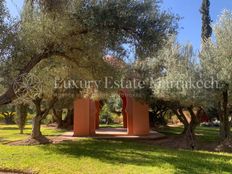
(86, 115)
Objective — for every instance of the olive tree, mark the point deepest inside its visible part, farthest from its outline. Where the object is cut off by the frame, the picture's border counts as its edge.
(45, 98)
(85, 31)
(7, 41)
(171, 77)
(216, 62)
(82, 32)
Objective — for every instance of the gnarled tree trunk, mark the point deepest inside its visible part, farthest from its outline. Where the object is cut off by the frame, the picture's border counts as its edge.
(57, 113)
(40, 115)
(189, 126)
(180, 115)
(225, 124)
(36, 125)
(69, 119)
(192, 126)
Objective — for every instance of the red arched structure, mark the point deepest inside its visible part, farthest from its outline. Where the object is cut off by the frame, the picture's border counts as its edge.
(124, 104)
(98, 109)
(135, 116)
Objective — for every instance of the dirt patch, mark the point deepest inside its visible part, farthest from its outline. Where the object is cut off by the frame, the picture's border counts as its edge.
(29, 142)
(11, 171)
(67, 136)
(174, 142)
(225, 146)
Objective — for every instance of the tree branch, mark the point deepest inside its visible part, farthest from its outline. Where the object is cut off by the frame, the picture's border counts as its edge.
(9, 95)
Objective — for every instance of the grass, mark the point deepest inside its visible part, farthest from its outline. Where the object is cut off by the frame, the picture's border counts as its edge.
(10, 133)
(98, 156)
(87, 156)
(111, 125)
(204, 134)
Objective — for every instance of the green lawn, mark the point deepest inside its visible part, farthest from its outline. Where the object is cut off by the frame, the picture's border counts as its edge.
(204, 134)
(98, 156)
(114, 157)
(11, 133)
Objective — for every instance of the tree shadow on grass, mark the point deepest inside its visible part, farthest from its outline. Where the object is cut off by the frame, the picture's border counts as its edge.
(134, 153)
(12, 128)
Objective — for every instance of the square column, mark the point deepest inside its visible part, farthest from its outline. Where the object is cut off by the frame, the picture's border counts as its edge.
(84, 117)
(138, 117)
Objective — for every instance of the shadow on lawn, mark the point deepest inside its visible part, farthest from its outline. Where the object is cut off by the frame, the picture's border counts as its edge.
(12, 128)
(134, 153)
(204, 134)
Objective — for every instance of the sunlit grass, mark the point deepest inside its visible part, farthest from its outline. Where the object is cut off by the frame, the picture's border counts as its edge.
(98, 156)
(11, 132)
(93, 156)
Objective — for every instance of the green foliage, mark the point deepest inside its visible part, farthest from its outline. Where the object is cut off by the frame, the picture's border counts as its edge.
(217, 56)
(115, 103)
(111, 110)
(106, 115)
(87, 30)
(84, 32)
(9, 118)
(7, 42)
(206, 20)
(29, 117)
(217, 61)
(8, 28)
(48, 119)
(3, 17)
(1, 118)
(167, 75)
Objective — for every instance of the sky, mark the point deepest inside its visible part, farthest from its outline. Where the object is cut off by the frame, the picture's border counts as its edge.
(190, 24)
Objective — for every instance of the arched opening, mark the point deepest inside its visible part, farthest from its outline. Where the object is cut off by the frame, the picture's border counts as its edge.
(135, 118)
(111, 116)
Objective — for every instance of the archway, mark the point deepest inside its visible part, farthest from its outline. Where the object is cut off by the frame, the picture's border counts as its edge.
(86, 116)
(111, 115)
